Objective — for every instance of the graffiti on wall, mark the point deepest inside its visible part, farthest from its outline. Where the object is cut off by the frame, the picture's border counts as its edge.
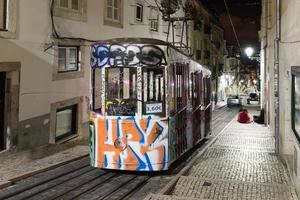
(131, 144)
(126, 55)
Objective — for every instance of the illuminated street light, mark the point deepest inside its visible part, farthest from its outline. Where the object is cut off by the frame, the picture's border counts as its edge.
(249, 51)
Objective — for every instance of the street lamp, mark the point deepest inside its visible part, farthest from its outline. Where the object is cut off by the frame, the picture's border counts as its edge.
(249, 51)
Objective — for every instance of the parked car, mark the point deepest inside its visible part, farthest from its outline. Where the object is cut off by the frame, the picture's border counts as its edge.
(233, 100)
(243, 99)
(252, 97)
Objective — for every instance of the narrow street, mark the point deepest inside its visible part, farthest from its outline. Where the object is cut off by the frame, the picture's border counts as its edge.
(78, 180)
(150, 99)
(240, 164)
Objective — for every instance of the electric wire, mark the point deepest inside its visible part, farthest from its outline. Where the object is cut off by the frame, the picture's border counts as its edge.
(233, 28)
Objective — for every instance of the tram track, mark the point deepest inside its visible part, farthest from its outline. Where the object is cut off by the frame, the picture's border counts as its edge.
(78, 180)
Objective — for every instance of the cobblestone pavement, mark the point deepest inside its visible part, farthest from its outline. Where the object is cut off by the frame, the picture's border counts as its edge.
(220, 118)
(240, 164)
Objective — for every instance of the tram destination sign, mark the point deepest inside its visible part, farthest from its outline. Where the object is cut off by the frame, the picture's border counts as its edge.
(153, 108)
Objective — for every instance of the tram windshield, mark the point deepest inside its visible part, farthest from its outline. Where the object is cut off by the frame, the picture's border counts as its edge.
(121, 92)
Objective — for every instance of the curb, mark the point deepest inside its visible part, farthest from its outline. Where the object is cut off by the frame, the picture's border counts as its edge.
(167, 189)
(9, 182)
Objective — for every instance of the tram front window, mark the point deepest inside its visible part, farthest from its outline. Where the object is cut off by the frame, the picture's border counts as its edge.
(121, 91)
(153, 91)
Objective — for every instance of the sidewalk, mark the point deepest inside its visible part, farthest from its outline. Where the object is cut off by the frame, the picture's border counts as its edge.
(219, 104)
(240, 164)
(15, 165)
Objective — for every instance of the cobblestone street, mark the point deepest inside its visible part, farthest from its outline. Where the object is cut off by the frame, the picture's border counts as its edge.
(240, 164)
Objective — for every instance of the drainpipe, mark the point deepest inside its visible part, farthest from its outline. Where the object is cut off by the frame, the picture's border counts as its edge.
(276, 77)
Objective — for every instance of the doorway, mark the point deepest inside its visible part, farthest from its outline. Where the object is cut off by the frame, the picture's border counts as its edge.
(2, 111)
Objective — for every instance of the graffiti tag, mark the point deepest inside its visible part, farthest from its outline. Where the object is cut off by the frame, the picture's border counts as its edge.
(120, 55)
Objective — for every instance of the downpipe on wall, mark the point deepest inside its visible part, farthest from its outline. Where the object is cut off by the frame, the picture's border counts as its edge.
(277, 77)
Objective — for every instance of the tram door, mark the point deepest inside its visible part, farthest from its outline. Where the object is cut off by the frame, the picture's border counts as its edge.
(2, 109)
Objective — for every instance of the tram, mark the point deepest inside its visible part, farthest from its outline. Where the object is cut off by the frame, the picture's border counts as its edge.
(151, 104)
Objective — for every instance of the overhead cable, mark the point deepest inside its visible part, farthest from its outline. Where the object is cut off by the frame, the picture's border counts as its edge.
(233, 28)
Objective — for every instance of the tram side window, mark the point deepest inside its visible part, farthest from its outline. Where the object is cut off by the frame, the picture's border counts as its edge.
(121, 91)
(181, 85)
(153, 91)
(179, 89)
(204, 92)
(197, 89)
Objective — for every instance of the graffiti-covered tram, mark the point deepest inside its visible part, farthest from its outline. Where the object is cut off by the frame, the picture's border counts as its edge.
(151, 104)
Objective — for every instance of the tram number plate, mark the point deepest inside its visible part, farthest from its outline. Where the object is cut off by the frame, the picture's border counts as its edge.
(154, 108)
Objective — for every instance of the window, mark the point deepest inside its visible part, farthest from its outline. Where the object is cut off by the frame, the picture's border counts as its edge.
(197, 25)
(153, 91)
(69, 4)
(154, 25)
(66, 122)
(121, 95)
(139, 12)
(71, 9)
(197, 47)
(3, 15)
(198, 54)
(68, 59)
(113, 10)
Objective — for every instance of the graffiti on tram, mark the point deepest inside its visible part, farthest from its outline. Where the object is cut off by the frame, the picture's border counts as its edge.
(121, 107)
(132, 144)
(130, 55)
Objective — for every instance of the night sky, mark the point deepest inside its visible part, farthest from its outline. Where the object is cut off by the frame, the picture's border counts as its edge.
(245, 15)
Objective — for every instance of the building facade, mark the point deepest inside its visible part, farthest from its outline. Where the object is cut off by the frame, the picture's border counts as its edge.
(288, 36)
(208, 45)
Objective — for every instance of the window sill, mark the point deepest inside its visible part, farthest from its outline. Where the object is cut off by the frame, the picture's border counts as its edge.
(108, 22)
(8, 35)
(66, 139)
(67, 75)
(71, 14)
(139, 21)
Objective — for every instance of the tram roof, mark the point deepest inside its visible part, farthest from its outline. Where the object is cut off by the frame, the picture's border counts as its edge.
(131, 40)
